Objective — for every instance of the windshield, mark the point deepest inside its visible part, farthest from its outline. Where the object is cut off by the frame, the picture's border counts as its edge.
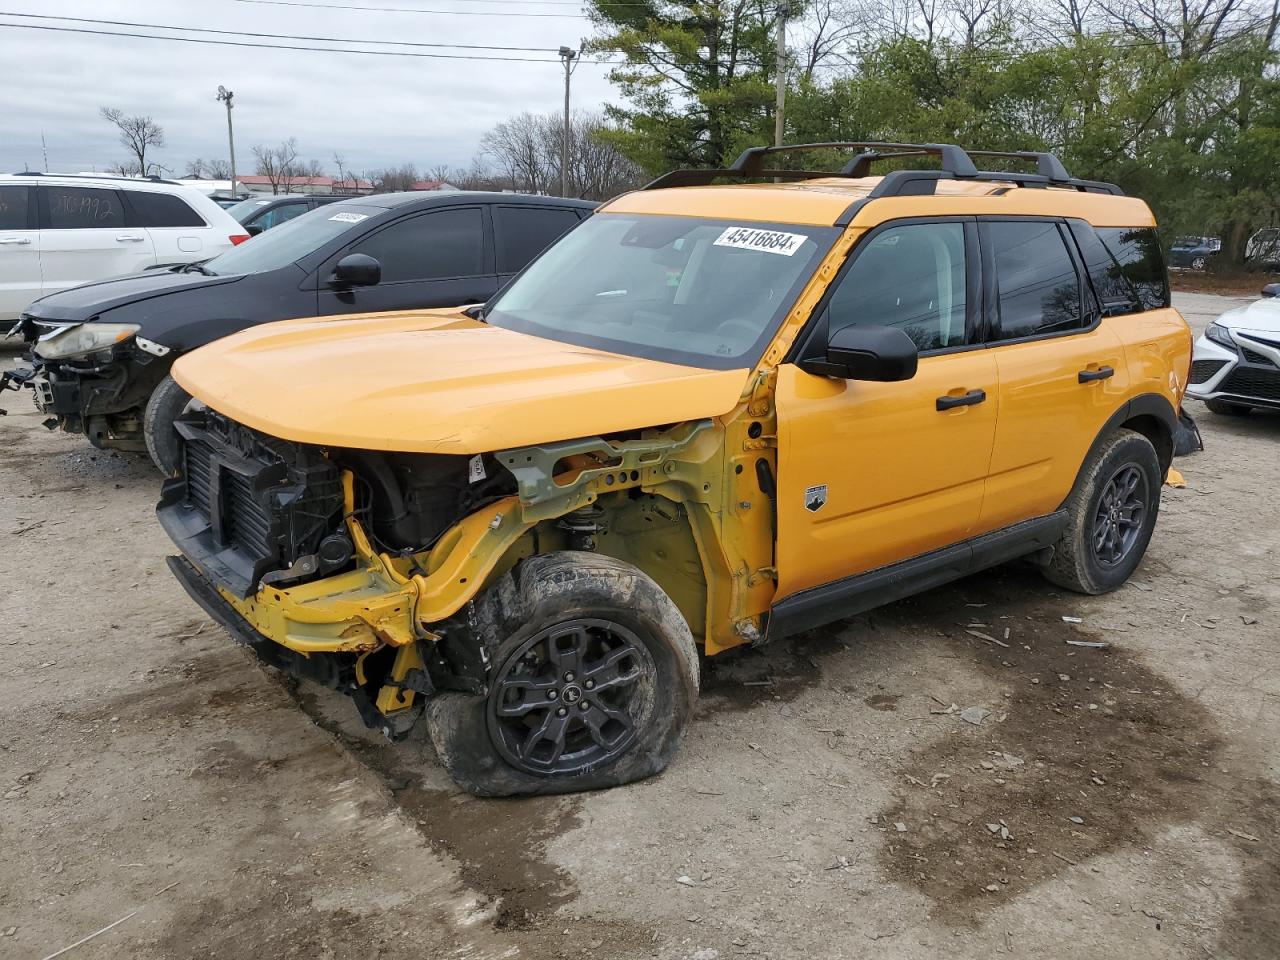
(291, 241)
(242, 210)
(705, 293)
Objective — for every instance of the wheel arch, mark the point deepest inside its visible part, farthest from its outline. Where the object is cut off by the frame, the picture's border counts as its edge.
(1149, 414)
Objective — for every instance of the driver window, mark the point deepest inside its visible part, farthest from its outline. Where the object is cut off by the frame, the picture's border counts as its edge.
(911, 277)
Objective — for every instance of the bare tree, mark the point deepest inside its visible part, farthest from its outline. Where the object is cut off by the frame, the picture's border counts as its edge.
(137, 134)
(527, 152)
(394, 179)
(440, 173)
(341, 164)
(278, 164)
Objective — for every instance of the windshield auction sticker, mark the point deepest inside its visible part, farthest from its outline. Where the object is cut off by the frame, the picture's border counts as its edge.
(768, 241)
(349, 217)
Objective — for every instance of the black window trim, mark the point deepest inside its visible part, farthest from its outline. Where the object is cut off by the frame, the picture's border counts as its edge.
(33, 218)
(42, 206)
(992, 286)
(810, 342)
(493, 232)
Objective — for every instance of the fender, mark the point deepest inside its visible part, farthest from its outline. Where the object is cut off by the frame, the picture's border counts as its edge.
(1157, 420)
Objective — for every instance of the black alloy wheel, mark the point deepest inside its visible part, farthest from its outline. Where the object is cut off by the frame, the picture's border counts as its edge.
(1120, 515)
(560, 703)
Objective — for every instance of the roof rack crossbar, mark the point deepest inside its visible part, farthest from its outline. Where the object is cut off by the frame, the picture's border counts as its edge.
(1047, 165)
(953, 159)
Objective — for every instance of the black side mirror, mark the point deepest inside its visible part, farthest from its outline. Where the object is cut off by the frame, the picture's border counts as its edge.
(356, 270)
(855, 352)
(253, 229)
(1271, 290)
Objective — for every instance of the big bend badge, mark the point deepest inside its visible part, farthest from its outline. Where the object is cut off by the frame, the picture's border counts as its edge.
(815, 498)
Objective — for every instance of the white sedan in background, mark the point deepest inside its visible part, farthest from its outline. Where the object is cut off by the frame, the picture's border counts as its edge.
(1236, 365)
(59, 231)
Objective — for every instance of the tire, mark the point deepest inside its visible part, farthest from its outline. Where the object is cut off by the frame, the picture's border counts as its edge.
(167, 401)
(1198, 263)
(1098, 551)
(568, 610)
(1224, 408)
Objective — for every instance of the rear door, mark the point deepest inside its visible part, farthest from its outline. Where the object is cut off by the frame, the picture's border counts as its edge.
(178, 233)
(522, 232)
(1062, 371)
(85, 235)
(19, 251)
(439, 258)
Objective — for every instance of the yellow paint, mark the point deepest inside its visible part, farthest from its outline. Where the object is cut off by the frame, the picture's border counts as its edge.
(902, 478)
(439, 382)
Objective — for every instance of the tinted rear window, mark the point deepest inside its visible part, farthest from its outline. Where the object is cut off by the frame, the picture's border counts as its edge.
(1038, 285)
(163, 210)
(1137, 254)
(13, 208)
(77, 208)
(524, 232)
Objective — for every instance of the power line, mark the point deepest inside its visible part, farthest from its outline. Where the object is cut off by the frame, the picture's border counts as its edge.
(272, 36)
(443, 13)
(273, 46)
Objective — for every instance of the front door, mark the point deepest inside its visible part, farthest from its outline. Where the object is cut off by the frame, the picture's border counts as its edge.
(83, 237)
(19, 252)
(873, 473)
(434, 259)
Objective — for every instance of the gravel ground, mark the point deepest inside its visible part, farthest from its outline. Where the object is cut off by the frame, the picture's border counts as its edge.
(829, 801)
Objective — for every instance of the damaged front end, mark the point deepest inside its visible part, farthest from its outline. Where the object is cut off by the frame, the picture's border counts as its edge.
(89, 378)
(357, 568)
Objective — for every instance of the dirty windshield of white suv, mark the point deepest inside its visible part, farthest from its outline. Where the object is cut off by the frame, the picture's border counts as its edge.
(705, 293)
(289, 242)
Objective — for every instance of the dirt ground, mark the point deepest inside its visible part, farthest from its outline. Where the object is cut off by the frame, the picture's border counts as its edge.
(829, 801)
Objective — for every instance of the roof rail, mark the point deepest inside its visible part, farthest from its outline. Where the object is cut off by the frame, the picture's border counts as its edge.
(96, 176)
(955, 163)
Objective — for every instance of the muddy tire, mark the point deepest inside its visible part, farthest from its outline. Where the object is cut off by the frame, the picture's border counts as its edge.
(1112, 513)
(1225, 408)
(166, 403)
(593, 676)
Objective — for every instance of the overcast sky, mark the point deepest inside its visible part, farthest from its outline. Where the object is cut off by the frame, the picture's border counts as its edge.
(375, 111)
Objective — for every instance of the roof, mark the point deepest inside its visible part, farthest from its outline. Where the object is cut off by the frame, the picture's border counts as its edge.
(823, 202)
(435, 197)
(307, 181)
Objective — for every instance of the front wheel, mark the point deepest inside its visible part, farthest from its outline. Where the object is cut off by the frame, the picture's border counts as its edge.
(167, 402)
(593, 678)
(1112, 513)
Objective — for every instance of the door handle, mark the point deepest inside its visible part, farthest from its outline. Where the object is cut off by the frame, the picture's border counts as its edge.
(964, 400)
(1102, 373)
(23, 240)
(128, 237)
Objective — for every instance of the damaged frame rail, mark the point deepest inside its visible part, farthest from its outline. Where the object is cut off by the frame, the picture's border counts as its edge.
(394, 601)
(15, 379)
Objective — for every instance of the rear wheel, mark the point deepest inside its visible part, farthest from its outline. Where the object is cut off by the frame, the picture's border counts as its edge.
(1112, 513)
(593, 678)
(167, 402)
(1225, 408)
(1198, 263)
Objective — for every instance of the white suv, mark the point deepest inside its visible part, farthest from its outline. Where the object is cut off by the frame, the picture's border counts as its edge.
(61, 231)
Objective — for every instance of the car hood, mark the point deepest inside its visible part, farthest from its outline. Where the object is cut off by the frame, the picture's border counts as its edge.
(439, 382)
(1261, 316)
(83, 303)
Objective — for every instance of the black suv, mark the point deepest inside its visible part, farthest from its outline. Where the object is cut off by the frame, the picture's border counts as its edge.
(101, 353)
(262, 213)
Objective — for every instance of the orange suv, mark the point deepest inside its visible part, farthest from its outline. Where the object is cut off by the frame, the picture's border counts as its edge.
(711, 415)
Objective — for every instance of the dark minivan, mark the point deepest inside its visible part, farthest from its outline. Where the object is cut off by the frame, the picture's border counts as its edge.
(101, 353)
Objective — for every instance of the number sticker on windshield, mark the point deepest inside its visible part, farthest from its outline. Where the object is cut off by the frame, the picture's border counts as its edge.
(768, 241)
(349, 217)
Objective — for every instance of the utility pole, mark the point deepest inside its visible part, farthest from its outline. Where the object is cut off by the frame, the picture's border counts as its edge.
(567, 55)
(784, 11)
(226, 95)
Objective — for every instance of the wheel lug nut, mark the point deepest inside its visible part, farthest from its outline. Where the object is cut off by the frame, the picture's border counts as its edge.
(590, 684)
(552, 694)
(561, 712)
(568, 677)
(584, 706)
